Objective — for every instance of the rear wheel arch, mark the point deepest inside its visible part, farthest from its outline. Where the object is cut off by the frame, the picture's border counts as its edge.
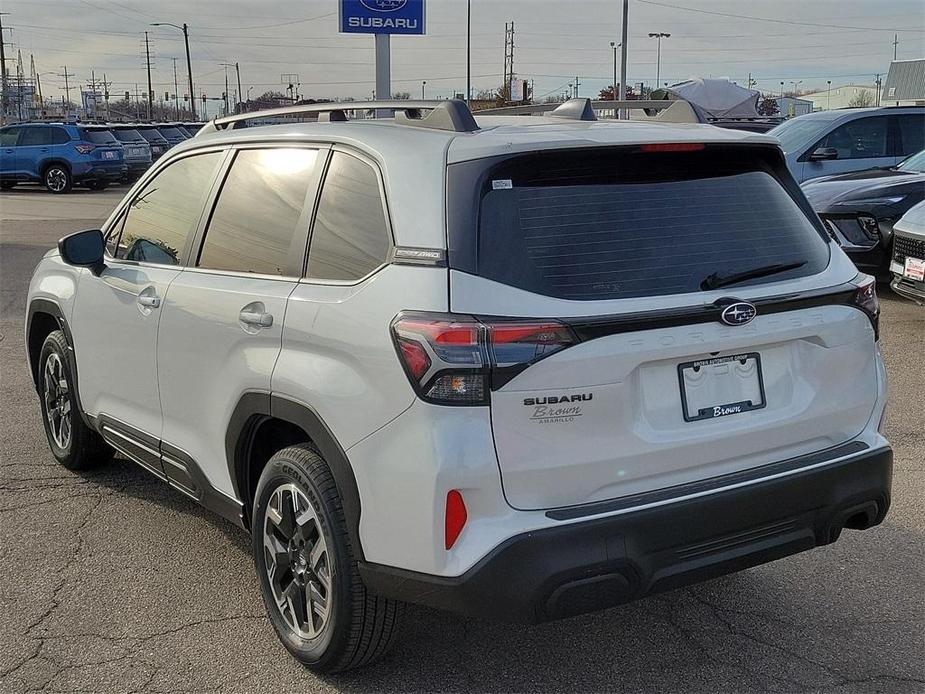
(263, 424)
(48, 163)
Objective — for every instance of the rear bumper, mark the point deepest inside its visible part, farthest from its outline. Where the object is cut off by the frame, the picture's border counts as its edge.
(591, 565)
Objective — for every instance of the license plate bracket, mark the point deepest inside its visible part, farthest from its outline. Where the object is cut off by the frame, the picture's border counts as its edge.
(721, 386)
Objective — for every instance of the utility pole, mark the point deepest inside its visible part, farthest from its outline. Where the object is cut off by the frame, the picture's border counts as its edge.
(176, 88)
(189, 70)
(106, 85)
(148, 64)
(877, 80)
(614, 46)
(622, 96)
(67, 87)
(577, 86)
(895, 44)
(238, 98)
(3, 93)
(508, 61)
(225, 94)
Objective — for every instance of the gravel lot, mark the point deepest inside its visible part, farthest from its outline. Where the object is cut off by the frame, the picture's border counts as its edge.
(110, 581)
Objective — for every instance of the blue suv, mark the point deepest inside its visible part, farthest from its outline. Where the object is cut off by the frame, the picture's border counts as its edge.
(59, 155)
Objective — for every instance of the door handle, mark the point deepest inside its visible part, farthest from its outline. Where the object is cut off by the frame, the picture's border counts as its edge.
(258, 319)
(149, 301)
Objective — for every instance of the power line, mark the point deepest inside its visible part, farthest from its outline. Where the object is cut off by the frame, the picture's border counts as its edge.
(767, 19)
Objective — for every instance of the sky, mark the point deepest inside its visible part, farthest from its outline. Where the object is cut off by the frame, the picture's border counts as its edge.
(803, 43)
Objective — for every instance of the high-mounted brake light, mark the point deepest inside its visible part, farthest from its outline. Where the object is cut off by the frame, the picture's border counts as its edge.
(451, 360)
(455, 518)
(673, 147)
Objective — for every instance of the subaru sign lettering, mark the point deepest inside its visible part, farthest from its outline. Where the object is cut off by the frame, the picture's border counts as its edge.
(382, 16)
(739, 313)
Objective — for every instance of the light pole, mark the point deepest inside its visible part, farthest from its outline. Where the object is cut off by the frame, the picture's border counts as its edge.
(614, 46)
(781, 90)
(423, 88)
(828, 95)
(468, 51)
(189, 65)
(658, 35)
(795, 85)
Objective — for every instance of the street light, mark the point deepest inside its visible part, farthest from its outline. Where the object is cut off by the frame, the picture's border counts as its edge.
(614, 46)
(658, 35)
(189, 66)
(795, 85)
(828, 95)
(423, 87)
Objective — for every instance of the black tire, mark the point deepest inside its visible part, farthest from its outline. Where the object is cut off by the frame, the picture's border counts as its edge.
(82, 448)
(359, 627)
(97, 185)
(57, 178)
(7, 185)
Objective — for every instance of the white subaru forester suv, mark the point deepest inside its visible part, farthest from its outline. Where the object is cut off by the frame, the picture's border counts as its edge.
(519, 367)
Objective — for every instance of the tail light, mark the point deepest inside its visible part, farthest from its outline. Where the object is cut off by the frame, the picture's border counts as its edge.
(865, 298)
(453, 360)
(85, 149)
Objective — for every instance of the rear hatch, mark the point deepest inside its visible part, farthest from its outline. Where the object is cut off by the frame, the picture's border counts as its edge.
(106, 149)
(674, 362)
(136, 148)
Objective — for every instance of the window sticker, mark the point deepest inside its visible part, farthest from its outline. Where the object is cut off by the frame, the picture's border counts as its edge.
(502, 184)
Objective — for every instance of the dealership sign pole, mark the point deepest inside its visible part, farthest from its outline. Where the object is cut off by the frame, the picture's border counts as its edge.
(382, 18)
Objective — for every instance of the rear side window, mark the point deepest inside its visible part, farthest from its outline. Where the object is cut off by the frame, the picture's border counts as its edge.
(911, 133)
(59, 136)
(99, 137)
(863, 138)
(350, 237)
(260, 223)
(164, 215)
(623, 224)
(32, 137)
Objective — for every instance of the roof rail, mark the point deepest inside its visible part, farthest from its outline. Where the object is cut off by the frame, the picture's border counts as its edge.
(452, 115)
(675, 111)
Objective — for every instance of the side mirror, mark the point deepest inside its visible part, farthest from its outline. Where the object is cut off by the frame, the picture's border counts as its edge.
(84, 249)
(824, 154)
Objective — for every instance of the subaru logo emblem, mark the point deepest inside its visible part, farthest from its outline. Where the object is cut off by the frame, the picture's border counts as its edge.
(739, 313)
(383, 5)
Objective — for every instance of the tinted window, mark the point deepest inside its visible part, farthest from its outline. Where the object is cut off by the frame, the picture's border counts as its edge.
(59, 136)
(163, 216)
(171, 133)
(35, 137)
(99, 137)
(912, 133)
(614, 225)
(863, 138)
(258, 223)
(127, 135)
(152, 135)
(350, 237)
(8, 136)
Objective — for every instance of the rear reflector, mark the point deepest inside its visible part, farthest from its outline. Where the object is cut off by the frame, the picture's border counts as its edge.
(673, 147)
(456, 517)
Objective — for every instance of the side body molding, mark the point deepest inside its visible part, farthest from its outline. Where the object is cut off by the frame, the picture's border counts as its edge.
(255, 407)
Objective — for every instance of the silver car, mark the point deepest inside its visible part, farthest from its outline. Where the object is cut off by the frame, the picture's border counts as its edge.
(835, 142)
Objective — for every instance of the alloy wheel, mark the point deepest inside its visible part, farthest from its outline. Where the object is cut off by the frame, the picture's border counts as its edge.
(297, 561)
(56, 179)
(57, 402)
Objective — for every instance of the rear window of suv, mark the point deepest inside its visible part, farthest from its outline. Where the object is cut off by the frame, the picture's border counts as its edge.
(99, 137)
(622, 223)
(128, 136)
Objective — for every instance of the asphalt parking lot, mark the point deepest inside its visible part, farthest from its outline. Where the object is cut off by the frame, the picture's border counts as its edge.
(110, 581)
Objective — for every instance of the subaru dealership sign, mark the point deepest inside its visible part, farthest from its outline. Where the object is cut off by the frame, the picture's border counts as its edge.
(382, 16)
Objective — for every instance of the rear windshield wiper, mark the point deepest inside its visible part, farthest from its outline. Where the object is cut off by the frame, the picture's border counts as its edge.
(716, 281)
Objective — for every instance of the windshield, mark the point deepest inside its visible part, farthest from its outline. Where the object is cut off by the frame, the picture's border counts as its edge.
(99, 137)
(127, 135)
(152, 135)
(799, 133)
(594, 225)
(914, 163)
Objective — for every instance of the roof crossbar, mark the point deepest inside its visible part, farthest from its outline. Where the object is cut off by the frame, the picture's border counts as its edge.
(674, 111)
(451, 115)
